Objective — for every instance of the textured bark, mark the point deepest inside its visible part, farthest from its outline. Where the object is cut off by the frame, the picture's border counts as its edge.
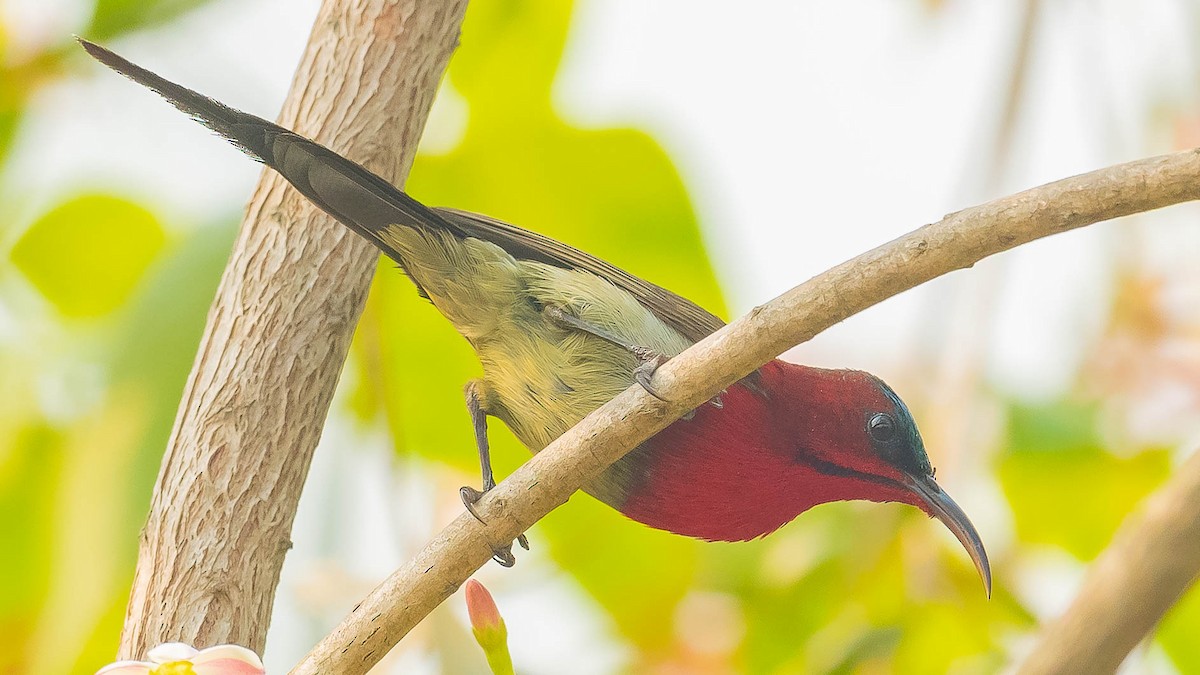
(958, 241)
(277, 335)
(1151, 562)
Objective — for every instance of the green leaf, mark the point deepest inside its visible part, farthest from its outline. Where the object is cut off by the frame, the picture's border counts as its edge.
(97, 650)
(87, 254)
(1055, 469)
(160, 334)
(938, 639)
(14, 92)
(29, 476)
(528, 35)
(111, 18)
(1177, 633)
(637, 574)
(11, 113)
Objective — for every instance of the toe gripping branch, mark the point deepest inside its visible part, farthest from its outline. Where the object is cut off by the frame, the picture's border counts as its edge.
(649, 360)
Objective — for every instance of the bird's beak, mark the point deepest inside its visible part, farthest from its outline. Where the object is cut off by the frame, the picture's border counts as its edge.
(944, 509)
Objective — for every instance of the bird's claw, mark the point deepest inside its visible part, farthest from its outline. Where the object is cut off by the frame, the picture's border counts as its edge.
(648, 359)
(469, 497)
(648, 362)
(717, 401)
(504, 556)
(501, 554)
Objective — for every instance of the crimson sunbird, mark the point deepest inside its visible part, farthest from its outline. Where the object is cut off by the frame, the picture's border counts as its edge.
(560, 332)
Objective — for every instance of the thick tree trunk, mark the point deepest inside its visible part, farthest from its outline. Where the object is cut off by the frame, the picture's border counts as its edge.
(277, 336)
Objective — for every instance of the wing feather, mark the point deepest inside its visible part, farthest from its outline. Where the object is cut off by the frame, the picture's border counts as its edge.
(685, 316)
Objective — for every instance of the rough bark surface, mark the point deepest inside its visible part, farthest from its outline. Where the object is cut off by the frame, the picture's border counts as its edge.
(548, 479)
(277, 335)
(1152, 561)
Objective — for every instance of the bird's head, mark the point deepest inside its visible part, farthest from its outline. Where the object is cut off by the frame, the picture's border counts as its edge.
(854, 431)
(784, 440)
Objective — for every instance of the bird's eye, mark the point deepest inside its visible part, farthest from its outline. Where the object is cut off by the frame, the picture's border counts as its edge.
(881, 427)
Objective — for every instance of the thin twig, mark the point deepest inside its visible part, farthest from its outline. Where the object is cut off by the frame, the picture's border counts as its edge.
(1151, 562)
(958, 241)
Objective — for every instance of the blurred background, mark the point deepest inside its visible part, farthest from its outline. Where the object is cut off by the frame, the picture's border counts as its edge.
(727, 153)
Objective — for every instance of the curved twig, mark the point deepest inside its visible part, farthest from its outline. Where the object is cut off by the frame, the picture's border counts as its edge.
(958, 241)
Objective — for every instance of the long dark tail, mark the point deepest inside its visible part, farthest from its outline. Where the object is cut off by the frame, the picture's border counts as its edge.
(358, 198)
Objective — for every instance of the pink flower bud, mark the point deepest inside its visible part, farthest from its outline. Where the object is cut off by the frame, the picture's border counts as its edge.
(485, 616)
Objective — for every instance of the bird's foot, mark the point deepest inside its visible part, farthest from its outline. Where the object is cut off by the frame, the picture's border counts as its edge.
(501, 554)
(644, 373)
(648, 359)
(648, 362)
(718, 401)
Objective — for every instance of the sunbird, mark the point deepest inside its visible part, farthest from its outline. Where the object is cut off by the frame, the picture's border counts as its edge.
(560, 332)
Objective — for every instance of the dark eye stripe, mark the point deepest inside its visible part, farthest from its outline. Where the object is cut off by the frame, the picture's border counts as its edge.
(821, 466)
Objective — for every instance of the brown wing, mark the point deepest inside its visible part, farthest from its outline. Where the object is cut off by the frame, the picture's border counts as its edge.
(685, 316)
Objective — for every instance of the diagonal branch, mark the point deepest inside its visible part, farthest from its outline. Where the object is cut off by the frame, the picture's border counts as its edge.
(547, 480)
(1153, 559)
(277, 334)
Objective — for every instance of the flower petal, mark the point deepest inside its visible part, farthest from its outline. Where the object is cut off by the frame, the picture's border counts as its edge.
(230, 653)
(126, 668)
(227, 667)
(172, 651)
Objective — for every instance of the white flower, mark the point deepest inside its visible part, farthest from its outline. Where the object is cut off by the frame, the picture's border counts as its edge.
(176, 658)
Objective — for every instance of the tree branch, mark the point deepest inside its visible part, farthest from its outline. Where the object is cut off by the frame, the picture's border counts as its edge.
(1151, 562)
(544, 482)
(277, 335)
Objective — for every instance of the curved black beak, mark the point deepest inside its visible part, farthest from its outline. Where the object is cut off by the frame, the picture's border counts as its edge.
(944, 509)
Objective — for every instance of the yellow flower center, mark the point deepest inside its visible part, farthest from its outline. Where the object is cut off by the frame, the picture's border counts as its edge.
(174, 668)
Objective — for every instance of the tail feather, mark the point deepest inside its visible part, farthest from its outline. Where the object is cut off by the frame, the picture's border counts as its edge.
(359, 198)
(370, 205)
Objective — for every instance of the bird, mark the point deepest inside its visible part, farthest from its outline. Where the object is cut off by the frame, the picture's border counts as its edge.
(559, 332)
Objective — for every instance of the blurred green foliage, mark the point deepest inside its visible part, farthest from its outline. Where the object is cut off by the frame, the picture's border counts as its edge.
(79, 488)
(120, 300)
(113, 18)
(1177, 633)
(69, 253)
(29, 479)
(1057, 468)
(125, 297)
